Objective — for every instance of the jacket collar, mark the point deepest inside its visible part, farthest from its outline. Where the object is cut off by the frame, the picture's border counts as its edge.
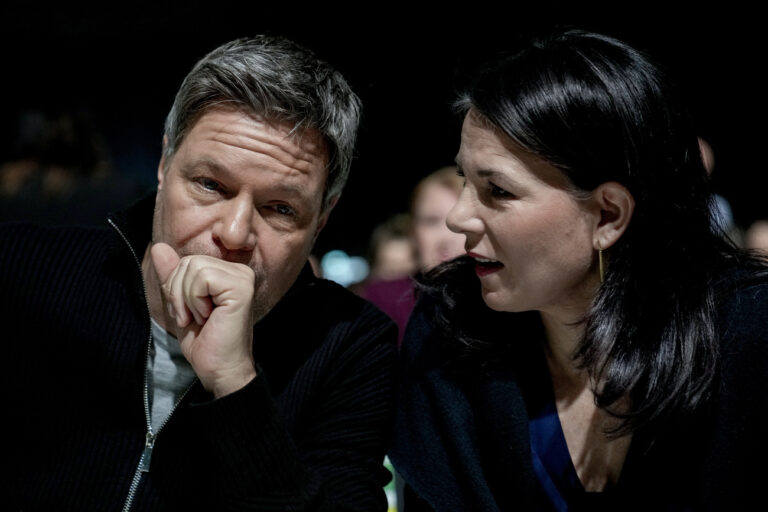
(135, 224)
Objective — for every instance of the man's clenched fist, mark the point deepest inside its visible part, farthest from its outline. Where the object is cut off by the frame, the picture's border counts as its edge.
(211, 302)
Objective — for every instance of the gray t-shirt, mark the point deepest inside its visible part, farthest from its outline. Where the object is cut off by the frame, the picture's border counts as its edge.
(168, 373)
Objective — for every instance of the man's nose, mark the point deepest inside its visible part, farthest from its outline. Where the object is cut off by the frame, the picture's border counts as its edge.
(235, 228)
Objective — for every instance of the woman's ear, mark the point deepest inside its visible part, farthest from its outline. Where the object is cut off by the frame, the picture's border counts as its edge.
(616, 206)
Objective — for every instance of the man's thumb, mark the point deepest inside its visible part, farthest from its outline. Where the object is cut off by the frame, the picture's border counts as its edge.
(165, 259)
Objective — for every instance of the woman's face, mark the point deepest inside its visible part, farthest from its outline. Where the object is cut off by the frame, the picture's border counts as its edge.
(531, 239)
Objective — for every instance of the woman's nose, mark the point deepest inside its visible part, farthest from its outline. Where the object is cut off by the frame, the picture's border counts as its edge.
(463, 218)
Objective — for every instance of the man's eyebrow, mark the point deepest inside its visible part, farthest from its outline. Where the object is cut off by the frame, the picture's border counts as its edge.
(206, 164)
(293, 189)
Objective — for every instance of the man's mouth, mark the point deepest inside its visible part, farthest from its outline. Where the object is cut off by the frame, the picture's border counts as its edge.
(485, 266)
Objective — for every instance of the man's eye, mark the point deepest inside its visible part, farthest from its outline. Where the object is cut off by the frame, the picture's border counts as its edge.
(209, 184)
(283, 209)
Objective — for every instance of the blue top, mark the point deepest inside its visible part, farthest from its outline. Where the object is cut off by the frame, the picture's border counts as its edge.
(551, 459)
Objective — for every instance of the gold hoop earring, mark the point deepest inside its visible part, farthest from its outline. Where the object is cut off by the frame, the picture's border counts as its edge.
(601, 263)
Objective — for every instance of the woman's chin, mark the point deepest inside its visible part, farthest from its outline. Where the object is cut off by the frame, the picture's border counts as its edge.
(499, 302)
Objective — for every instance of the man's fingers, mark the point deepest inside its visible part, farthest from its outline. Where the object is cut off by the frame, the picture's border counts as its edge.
(165, 260)
(174, 293)
(201, 307)
(194, 285)
(170, 272)
(197, 288)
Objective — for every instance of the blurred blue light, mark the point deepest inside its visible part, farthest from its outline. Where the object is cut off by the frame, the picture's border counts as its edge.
(344, 269)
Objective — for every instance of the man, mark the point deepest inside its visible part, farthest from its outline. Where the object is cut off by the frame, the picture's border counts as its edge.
(204, 368)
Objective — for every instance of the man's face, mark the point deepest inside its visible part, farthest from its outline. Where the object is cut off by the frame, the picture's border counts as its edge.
(242, 189)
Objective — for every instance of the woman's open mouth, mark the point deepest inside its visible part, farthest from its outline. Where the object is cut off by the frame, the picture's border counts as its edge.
(485, 266)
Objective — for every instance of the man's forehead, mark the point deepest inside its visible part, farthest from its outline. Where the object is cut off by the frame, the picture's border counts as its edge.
(232, 131)
(291, 135)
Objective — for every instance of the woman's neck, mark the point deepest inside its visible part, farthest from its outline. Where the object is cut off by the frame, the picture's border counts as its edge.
(597, 458)
(564, 333)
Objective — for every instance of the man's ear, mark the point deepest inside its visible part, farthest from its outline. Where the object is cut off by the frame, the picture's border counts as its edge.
(326, 213)
(161, 165)
(616, 206)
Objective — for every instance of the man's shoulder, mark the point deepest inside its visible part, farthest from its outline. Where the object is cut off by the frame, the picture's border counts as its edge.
(320, 313)
(320, 324)
(328, 302)
(24, 240)
(34, 229)
(43, 265)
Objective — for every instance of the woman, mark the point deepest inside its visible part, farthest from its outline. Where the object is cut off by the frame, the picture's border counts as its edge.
(602, 345)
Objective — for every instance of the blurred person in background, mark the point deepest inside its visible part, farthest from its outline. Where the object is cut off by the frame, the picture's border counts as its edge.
(433, 197)
(392, 254)
(424, 237)
(58, 171)
(756, 236)
(722, 212)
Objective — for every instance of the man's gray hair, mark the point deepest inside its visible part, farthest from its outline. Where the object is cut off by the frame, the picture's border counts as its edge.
(276, 78)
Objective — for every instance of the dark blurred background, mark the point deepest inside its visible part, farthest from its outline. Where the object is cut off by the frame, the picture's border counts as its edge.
(107, 75)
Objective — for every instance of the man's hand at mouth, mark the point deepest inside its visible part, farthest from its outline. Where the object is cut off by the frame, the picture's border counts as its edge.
(210, 300)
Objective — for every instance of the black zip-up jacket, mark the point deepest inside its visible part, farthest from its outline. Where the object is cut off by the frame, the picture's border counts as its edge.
(309, 433)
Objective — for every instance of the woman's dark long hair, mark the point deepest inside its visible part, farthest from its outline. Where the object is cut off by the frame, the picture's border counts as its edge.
(601, 111)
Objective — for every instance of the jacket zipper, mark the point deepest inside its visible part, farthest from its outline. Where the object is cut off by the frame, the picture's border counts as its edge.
(150, 436)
